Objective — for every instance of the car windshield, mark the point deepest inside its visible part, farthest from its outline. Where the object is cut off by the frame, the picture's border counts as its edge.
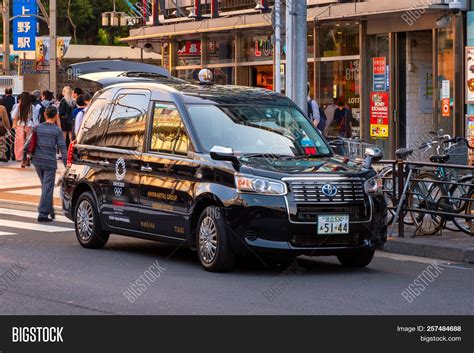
(257, 130)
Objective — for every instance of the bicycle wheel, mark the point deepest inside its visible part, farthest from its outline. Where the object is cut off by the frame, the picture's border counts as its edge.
(389, 193)
(464, 224)
(460, 190)
(425, 195)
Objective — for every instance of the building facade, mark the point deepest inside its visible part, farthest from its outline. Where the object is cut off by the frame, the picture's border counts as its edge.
(399, 65)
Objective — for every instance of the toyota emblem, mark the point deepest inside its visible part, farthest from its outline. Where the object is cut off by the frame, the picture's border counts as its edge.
(329, 190)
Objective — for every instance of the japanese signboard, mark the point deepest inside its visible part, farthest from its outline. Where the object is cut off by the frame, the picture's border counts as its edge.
(446, 107)
(470, 75)
(24, 28)
(379, 115)
(379, 74)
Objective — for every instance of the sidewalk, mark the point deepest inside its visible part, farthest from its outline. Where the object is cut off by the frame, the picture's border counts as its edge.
(451, 246)
(21, 185)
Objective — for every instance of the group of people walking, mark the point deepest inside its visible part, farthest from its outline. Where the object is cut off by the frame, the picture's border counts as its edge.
(19, 117)
(37, 125)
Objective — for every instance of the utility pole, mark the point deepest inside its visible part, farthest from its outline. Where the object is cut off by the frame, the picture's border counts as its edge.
(6, 35)
(301, 56)
(52, 46)
(297, 53)
(277, 46)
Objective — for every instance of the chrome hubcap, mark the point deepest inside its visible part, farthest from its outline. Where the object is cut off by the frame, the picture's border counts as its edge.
(85, 220)
(208, 240)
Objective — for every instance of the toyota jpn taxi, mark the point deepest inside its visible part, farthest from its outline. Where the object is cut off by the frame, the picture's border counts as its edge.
(226, 170)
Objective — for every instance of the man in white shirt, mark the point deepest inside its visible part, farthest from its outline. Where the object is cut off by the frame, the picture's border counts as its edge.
(313, 110)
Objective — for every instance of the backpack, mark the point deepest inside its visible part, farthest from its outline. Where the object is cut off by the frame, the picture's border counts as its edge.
(322, 121)
(310, 110)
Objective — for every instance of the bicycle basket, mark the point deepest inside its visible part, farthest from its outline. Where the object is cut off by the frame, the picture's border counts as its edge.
(458, 153)
(354, 148)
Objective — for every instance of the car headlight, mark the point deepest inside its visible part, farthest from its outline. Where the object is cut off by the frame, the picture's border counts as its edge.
(373, 185)
(258, 185)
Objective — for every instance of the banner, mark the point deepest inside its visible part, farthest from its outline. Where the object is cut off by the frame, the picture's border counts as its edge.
(469, 75)
(379, 74)
(43, 51)
(379, 115)
(24, 28)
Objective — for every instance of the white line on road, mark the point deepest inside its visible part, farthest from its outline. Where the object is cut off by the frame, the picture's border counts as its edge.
(7, 233)
(28, 214)
(33, 226)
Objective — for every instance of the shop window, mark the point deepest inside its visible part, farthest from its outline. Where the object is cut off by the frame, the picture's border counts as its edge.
(188, 52)
(338, 39)
(221, 49)
(256, 46)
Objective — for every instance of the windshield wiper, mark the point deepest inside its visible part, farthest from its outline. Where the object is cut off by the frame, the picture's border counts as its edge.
(264, 155)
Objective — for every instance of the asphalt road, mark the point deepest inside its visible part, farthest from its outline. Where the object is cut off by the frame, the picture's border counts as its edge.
(54, 275)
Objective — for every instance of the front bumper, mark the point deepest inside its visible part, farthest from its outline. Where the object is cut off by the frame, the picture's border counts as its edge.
(266, 224)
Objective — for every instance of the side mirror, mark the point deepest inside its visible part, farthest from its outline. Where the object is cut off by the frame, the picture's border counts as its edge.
(220, 153)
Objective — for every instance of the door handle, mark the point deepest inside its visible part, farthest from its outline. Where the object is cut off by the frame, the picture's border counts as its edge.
(146, 169)
(104, 163)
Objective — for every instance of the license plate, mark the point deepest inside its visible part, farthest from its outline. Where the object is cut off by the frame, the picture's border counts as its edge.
(333, 224)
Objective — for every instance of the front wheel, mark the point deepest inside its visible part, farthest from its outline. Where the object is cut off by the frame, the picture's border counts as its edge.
(86, 221)
(213, 241)
(358, 259)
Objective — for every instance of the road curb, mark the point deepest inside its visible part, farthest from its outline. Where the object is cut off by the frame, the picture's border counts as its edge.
(444, 250)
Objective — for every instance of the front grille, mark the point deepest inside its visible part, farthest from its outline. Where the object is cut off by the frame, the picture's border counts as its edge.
(311, 191)
(321, 241)
(309, 213)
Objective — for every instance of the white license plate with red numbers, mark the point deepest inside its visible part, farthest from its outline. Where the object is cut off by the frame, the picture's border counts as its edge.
(333, 224)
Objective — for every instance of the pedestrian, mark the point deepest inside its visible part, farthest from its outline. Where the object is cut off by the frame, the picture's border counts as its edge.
(59, 97)
(36, 101)
(77, 92)
(47, 99)
(342, 122)
(329, 112)
(66, 107)
(8, 101)
(4, 132)
(78, 113)
(49, 137)
(313, 110)
(22, 123)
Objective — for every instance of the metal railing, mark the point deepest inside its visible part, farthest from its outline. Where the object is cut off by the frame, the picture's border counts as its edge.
(444, 195)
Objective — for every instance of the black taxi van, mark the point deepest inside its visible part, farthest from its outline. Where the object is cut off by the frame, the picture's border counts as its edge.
(227, 170)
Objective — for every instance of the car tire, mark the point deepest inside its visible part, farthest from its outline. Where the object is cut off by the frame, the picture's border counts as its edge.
(87, 224)
(357, 259)
(213, 241)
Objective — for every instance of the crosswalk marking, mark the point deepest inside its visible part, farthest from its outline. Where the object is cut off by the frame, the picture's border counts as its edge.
(28, 214)
(33, 226)
(7, 233)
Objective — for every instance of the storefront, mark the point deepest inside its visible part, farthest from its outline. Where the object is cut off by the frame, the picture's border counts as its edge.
(397, 78)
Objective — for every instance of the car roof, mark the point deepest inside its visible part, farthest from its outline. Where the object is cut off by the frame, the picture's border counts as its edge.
(200, 94)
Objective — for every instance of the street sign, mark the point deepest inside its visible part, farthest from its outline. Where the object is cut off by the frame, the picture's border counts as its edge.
(24, 28)
(379, 115)
(379, 74)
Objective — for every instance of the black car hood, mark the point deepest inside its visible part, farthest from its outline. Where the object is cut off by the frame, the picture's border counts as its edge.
(278, 168)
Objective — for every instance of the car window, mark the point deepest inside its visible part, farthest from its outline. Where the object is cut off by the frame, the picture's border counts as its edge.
(127, 122)
(168, 131)
(95, 123)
